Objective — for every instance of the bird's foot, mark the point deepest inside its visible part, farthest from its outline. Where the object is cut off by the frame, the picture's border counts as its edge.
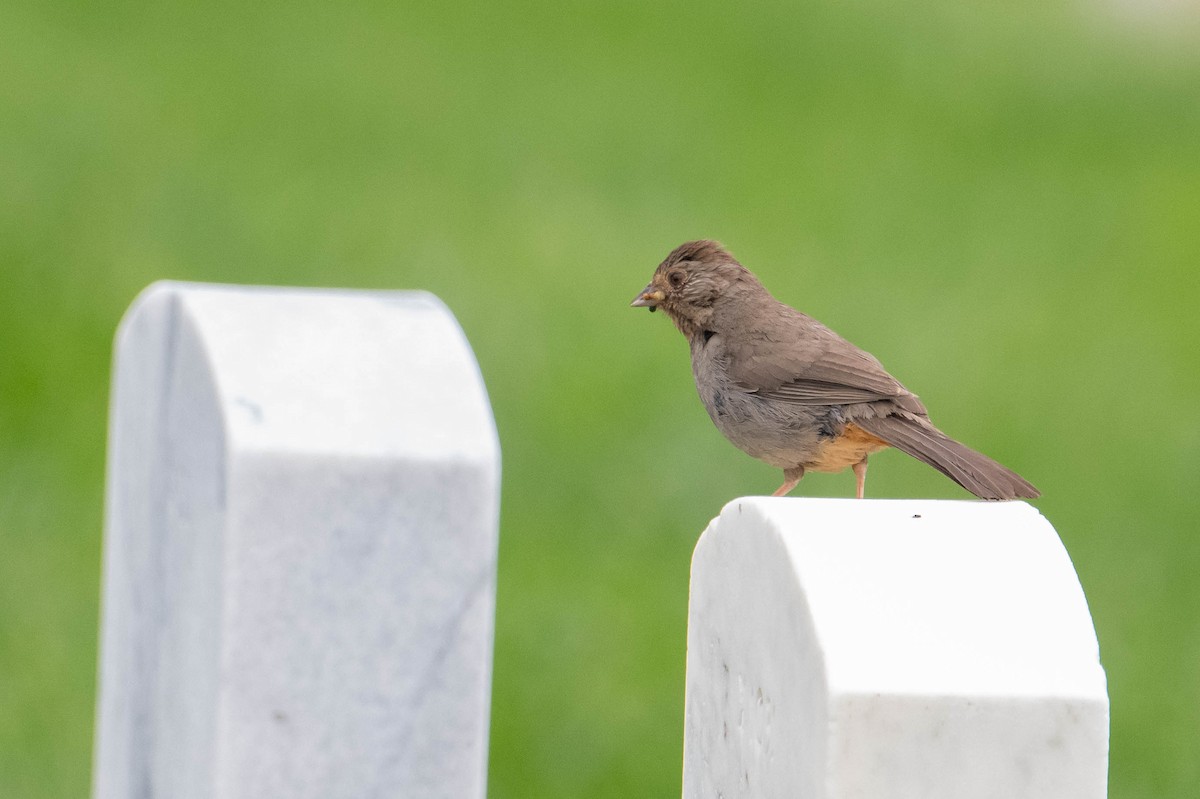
(790, 478)
(860, 476)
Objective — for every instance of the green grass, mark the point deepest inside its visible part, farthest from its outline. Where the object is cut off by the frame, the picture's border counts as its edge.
(999, 202)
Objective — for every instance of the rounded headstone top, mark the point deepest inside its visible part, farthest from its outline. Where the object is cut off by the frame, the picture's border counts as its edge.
(348, 372)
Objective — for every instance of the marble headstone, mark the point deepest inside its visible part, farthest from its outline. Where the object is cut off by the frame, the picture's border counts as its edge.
(879, 649)
(300, 549)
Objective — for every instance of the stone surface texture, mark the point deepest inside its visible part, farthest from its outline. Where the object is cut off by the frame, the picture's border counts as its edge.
(300, 549)
(888, 649)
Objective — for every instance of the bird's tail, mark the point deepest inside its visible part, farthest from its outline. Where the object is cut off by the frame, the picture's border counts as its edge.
(972, 470)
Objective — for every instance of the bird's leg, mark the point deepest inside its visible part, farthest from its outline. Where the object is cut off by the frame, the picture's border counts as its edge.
(790, 478)
(860, 474)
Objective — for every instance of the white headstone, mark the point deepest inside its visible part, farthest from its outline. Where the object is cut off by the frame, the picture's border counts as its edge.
(877, 649)
(300, 549)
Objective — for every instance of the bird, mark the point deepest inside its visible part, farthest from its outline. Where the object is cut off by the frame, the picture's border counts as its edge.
(786, 389)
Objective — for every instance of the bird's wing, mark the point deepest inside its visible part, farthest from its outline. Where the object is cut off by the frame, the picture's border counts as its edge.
(796, 359)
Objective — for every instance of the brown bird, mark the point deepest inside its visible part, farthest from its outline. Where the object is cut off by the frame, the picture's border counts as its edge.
(789, 391)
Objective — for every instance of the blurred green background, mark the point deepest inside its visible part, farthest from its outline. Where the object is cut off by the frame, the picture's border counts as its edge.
(1001, 201)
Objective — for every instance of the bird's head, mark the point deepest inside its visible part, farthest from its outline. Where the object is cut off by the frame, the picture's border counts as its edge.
(689, 282)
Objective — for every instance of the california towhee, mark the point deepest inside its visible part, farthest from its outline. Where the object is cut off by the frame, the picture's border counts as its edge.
(789, 391)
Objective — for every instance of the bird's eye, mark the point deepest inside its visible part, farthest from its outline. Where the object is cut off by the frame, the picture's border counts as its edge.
(676, 279)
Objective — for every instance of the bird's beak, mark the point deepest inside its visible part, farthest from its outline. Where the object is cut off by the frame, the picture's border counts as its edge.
(649, 298)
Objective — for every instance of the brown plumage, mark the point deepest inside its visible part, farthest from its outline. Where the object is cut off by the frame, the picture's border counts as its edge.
(789, 391)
